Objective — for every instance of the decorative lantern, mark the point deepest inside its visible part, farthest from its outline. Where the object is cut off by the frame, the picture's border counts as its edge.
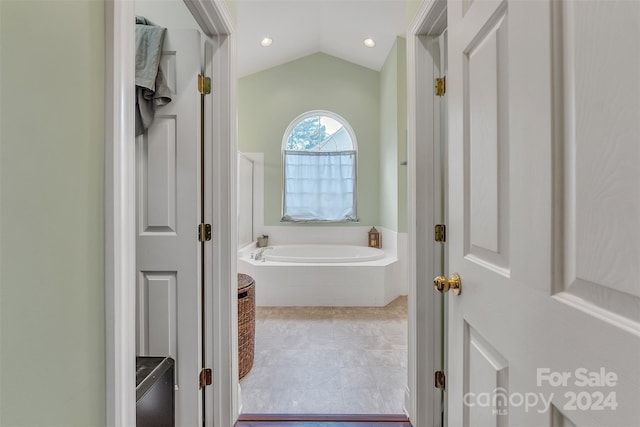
(375, 240)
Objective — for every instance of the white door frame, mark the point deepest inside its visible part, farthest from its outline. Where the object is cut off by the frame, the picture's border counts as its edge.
(423, 187)
(215, 21)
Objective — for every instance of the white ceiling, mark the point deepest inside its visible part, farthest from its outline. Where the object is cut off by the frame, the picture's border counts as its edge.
(303, 27)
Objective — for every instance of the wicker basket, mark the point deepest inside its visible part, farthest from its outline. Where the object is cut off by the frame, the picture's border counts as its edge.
(246, 323)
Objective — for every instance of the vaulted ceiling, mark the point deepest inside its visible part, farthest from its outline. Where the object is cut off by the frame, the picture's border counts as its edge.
(302, 27)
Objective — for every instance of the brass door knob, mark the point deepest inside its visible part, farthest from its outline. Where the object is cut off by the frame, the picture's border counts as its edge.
(442, 284)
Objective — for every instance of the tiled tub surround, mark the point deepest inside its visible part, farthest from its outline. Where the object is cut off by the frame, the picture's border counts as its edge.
(343, 282)
(328, 360)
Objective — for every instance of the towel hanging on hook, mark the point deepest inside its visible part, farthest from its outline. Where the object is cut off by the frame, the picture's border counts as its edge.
(151, 86)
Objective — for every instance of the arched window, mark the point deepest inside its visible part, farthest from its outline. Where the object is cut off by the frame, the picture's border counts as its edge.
(319, 154)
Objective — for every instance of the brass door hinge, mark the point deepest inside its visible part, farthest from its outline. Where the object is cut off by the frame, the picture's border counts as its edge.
(441, 86)
(204, 232)
(440, 380)
(440, 233)
(205, 378)
(204, 84)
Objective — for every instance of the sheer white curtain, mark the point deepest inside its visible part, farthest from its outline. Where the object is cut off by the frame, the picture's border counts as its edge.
(319, 186)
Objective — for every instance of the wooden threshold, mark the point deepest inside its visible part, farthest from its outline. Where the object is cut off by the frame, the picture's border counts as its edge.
(320, 420)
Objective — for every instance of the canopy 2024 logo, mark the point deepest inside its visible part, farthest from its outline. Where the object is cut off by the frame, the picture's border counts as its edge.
(582, 396)
(585, 398)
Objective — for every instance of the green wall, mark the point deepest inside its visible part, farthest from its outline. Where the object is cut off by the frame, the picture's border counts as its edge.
(270, 100)
(393, 140)
(52, 351)
(388, 141)
(412, 10)
(402, 134)
(232, 6)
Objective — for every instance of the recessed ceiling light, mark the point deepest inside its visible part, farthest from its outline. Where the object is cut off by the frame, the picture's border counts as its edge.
(266, 42)
(369, 43)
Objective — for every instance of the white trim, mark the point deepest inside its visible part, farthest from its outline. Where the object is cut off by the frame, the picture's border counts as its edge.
(258, 193)
(221, 210)
(424, 345)
(215, 21)
(120, 252)
(212, 16)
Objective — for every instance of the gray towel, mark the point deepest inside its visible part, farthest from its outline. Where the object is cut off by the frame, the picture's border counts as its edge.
(151, 87)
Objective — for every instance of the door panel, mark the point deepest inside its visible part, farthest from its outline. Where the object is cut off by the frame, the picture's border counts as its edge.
(158, 313)
(158, 173)
(486, 146)
(544, 211)
(601, 251)
(168, 206)
(488, 370)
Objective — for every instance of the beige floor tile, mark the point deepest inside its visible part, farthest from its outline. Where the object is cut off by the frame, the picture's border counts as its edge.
(352, 358)
(307, 400)
(293, 342)
(259, 377)
(363, 401)
(354, 342)
(298, 358)
(395, 357)
(256, 400)
(318, 377)
(357, 377)
(390, 342)
(393, 399)
(296, 377)
(328, 360)
(394, 327)
(389, 376)
(357, 328)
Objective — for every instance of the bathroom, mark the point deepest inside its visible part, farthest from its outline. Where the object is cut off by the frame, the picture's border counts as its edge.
(330, 336)
(372, 104)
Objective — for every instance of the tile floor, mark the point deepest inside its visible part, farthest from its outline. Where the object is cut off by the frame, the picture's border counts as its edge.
(328, 360)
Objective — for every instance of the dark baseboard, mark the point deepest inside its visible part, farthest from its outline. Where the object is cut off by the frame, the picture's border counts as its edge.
(313, 420)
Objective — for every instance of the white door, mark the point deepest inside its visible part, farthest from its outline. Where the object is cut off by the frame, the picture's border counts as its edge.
(544, 213)
(168, 212)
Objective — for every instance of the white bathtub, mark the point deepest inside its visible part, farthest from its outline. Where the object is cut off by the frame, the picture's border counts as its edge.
(322, 275)
(322, 253)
